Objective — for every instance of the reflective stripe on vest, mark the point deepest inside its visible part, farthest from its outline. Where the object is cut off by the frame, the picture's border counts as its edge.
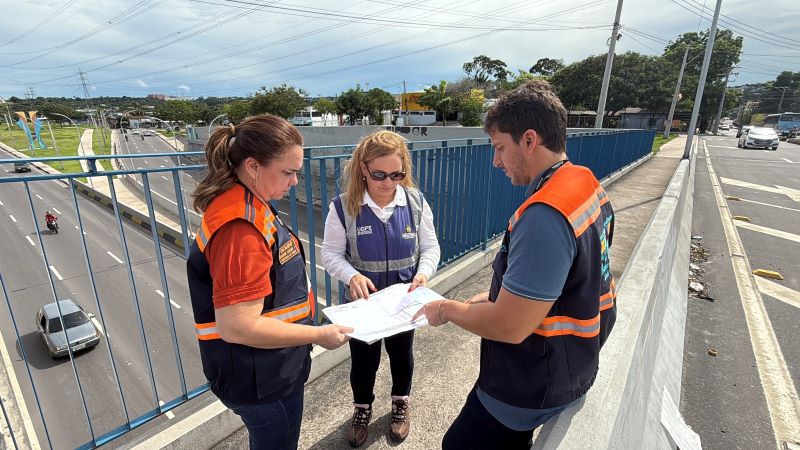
(587, 213)
(209, 331)
(607, 299)
(263, 221)
(563, 325)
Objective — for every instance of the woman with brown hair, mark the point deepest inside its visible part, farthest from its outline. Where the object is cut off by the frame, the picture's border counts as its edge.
(379, 233)
(252, 301)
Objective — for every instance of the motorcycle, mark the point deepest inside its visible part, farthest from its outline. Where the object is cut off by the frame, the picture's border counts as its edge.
(52, 225)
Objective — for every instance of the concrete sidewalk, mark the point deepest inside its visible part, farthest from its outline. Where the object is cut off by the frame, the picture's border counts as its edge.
(446, 358)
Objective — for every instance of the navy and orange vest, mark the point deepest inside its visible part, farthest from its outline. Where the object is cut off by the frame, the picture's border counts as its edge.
(237, 373)
(558, 362)
(386, 253)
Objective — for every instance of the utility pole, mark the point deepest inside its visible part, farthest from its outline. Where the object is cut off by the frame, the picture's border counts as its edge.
(404, 100)
(698, 98)
(601, 104)
(668, 123)
(8, 121)
(715, 128)
(780, 103)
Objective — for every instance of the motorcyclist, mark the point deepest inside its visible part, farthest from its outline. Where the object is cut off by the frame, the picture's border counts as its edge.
(49, 218)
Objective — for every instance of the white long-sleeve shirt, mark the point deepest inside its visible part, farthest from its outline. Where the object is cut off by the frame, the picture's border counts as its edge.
(334, 243)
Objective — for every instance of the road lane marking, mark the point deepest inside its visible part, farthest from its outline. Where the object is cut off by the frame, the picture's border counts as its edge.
(55, 272)
(169, 414)
(767, 204)
(722, 146)
(779, 389)
(77, 228)
(769, 231)
(165, 178)
(57, 211)
(792, 193)
(790, 161)
(30, 240)
(99, 327)
(115, 257)
(39, 196)
(1, 203)
(158, 291)
(778, 291)
(12, 218)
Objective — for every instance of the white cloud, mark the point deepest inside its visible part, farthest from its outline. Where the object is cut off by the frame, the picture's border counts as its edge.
(327, 56)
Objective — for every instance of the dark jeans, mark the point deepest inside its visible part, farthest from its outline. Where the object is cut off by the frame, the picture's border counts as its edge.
(365, 359)
(476, 428)
(274, 425)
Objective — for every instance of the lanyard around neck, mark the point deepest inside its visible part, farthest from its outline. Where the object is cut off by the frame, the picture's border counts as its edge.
(549, 173)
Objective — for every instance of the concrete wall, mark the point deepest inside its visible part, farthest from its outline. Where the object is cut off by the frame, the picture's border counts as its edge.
(641, 363)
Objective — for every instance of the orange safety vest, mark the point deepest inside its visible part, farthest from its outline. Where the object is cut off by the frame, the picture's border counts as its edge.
(237, 373)
(557, 363)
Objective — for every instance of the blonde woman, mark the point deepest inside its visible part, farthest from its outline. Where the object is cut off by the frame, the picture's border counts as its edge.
(251, 299)
(379, 233)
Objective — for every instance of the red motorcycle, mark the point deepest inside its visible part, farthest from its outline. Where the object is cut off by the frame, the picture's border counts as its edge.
(52, 223)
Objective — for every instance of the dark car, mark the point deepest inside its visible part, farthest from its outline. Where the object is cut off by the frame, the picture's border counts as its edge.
(80, 329)
(22, 166)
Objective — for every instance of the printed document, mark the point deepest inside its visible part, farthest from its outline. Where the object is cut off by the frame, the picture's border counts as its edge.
(386, 312)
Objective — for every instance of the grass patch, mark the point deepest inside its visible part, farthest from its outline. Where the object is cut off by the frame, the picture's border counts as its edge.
(66, 138)
(660, 140)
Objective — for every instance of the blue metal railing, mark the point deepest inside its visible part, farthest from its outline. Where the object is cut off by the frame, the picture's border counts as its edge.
(470, 200)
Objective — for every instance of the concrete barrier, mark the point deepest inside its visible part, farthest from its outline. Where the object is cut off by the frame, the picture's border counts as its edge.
(641, 363)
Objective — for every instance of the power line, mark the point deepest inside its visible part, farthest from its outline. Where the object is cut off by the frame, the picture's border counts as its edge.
(44, 22)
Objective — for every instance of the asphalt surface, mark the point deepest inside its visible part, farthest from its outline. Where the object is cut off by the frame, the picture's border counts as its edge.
(26, 279)
(723, 397)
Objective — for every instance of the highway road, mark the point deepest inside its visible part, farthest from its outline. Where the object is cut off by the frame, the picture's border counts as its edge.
(742, 357)
(26, 279)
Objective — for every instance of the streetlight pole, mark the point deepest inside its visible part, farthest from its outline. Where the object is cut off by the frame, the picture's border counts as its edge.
(212, 123)
(180, 173)
(715, 129)
(80, 139)
(55, 144)
(712, 35)
(668, 123)
(8, 122)
(601, 104)
(780, 104)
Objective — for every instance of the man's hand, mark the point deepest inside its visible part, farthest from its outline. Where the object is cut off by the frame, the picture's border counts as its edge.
(360, 286)
(483, 297)
(332, 336)
(420, 279)
(433, 312)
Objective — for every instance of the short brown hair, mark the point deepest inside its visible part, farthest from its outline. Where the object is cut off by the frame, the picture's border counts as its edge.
(531, 106)
(264, 138)
(374, 145)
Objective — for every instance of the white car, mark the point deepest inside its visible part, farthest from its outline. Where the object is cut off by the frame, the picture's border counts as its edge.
(759, 137)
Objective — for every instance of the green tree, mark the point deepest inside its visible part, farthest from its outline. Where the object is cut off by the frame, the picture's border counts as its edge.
(237, 110)
(379, 100)
(325, 107)
(483, 69)
(726, 54)
(353, 104)
(515, 81)
(284, 101)
(471, 108)
(437, 99)
(546, 67)
(176, 110)
(48, 109)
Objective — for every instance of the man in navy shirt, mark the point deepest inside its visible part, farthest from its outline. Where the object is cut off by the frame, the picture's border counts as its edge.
(551, 303)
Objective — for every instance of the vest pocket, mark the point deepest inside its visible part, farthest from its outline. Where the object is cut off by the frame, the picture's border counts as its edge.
(405, 275)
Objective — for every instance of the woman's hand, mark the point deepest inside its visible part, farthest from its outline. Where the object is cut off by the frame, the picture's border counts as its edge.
(332, 336)
(420, 279)
(360, 286)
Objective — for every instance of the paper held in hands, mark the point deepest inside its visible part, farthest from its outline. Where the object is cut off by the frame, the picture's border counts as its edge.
(386, 312)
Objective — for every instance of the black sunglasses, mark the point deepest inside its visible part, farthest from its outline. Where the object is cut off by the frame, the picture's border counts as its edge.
(380, 176)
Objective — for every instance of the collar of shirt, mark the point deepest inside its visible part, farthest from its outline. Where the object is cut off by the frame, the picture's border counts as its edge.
(532, 186)
(399, 199)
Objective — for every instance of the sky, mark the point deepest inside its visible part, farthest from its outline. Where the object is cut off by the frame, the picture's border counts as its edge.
(201, 48)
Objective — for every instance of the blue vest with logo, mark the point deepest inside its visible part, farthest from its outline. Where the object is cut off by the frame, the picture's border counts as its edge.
(558, 362)
(386, 253)
(238, 373)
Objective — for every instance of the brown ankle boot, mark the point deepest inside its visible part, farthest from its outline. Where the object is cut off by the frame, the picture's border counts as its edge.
(401, 422)
(359, 426)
